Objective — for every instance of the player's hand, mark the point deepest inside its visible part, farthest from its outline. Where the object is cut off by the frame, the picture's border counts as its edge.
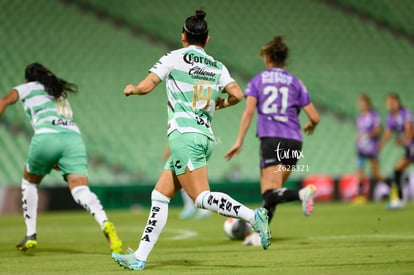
(129, 90)
(309, 128)
(220, 103)
(233, 152)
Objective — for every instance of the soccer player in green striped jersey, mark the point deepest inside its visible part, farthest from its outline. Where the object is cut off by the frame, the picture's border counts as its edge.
(194, 81)
(56, 143)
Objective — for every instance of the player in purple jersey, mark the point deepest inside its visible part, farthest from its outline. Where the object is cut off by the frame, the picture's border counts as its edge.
(278, 97)
(400, 120)
(367, 141)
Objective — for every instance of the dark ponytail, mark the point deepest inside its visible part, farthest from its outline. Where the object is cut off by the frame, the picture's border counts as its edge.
(54, 86)
(196, 28)
(276, 50)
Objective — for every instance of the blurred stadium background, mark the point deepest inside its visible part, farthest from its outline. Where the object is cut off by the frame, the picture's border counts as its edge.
(339, 48)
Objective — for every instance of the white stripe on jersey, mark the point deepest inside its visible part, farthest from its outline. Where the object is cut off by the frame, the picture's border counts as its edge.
(46, 131)
(49, 118)
(36, 101)
(33, 95)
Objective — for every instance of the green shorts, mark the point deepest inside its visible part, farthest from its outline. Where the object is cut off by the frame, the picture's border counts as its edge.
(66, 150)
(190, 150)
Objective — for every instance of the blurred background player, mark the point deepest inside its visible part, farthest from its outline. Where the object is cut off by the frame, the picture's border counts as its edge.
(194, 81)
(278, 96)
(399, 120)
(189, 208)
(369, 130)
(56, 143)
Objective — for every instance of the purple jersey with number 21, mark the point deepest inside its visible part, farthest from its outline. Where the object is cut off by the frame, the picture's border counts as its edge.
(280, 97)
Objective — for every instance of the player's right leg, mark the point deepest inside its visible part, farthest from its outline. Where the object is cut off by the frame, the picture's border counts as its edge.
(164, 190)
(360, 197)
(29, 188)
(398, 203)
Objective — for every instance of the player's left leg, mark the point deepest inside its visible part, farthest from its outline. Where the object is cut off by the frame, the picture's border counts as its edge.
(190, 210)
(272, 180)
(78, 185)
(195, 183)
(39, 163)
(73, 164)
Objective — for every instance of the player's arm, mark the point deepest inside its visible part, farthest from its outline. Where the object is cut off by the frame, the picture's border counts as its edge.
(144, 87)
(313, 116)
(245, 121)
(385, 138)
(235, 95)
(7, 100)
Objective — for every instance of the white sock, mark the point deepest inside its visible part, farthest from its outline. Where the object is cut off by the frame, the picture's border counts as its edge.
(188, 202)
(155, 225)
(88, 200)
(224, 205)
(30, 199)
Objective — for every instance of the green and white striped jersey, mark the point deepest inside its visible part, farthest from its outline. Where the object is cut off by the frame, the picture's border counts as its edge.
(46, 114)
(194, 81)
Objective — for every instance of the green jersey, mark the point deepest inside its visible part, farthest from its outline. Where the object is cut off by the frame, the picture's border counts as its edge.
(46, 114)
(194, 81)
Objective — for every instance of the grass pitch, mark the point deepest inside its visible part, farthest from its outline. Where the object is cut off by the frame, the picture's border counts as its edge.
(336, 239)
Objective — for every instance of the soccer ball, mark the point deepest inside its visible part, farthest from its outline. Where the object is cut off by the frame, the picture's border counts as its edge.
(236, 229)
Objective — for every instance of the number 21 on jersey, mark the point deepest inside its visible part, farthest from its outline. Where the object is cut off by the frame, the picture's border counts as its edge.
(270, 105)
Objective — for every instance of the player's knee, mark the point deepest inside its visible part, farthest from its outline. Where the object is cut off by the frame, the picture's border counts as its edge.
(83, 195)
(199, 201)
(158, 196)
(75, 180)
(32, 178)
